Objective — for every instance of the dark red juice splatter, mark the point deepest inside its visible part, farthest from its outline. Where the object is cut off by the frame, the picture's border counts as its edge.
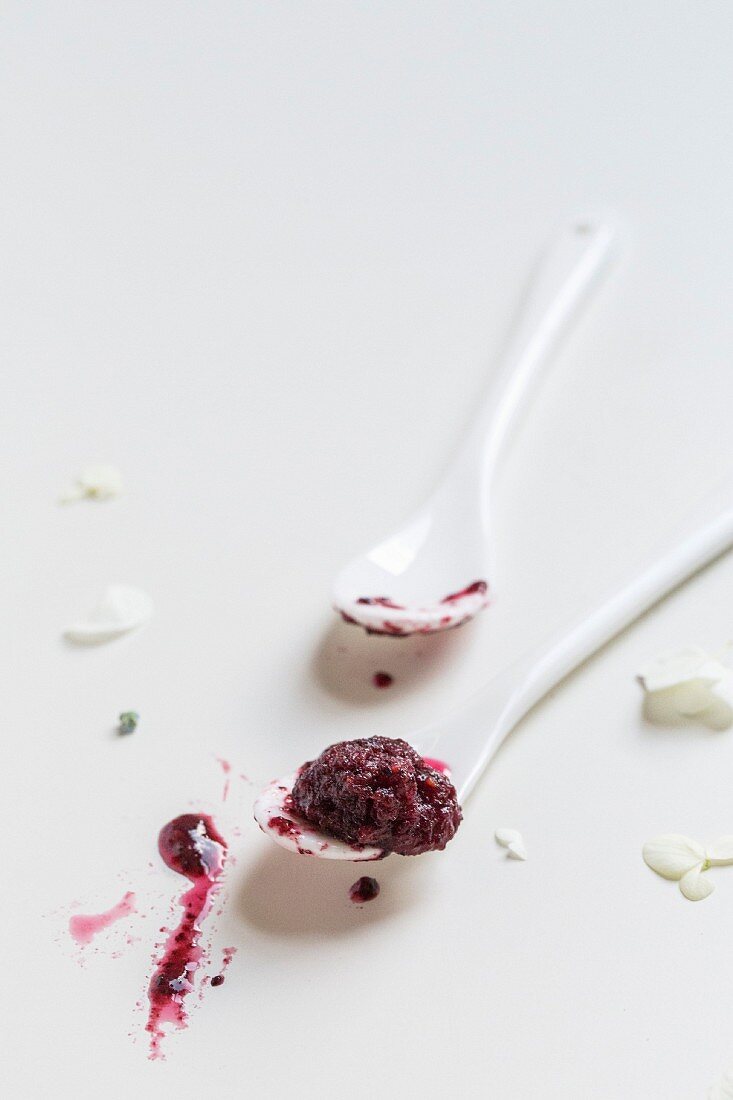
(192, 846)
(364, 889)
(382, 680)
(84, 928)
(228, 953)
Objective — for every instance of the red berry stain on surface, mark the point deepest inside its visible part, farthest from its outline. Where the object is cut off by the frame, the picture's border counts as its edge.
(477, 588)
(378, 791)
(226, 767)
(364, 889)
(83, 928)
(192, 846)
(382, 680)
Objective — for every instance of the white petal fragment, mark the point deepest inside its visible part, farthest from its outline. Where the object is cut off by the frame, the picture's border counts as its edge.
(723, 687)
(720, 851)
(696, 885)
(121, 609)
(723, 1089)
(672, 855)
(513, 841)
(689, 683)
(505, 837)
(673, 669)
(95, 483)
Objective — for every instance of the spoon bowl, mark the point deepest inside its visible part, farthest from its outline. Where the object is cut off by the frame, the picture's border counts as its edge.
(274, 813)
(437, 571)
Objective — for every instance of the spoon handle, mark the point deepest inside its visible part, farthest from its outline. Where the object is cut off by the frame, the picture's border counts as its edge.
(566, 273)
(469, 739)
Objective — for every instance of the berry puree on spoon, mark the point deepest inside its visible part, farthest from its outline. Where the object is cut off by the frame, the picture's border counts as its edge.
(381, 615)
(360, 800)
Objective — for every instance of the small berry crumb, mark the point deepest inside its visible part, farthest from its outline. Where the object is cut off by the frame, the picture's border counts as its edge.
(218, 979)
(382, 679)
(366, 889)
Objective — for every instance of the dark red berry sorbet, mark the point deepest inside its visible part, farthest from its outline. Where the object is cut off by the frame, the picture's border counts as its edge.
(378, 791)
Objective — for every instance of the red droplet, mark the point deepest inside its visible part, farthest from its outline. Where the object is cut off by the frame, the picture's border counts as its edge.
(364, 889)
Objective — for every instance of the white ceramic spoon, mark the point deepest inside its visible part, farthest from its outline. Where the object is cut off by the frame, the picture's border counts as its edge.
(468, 738)
(437, 571)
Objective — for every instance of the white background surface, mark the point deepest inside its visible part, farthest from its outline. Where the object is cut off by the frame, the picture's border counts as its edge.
(261, 255)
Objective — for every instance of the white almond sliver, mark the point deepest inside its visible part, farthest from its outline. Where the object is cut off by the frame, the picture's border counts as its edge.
(672, 855)
(505, 837)
(121, 609)
(513, 841)
(516, 849)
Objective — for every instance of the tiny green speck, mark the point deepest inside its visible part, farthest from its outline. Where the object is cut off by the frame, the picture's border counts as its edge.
(128, 721)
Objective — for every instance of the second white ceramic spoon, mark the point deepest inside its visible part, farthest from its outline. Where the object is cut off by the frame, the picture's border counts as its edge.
(437, 571)
(468, 738)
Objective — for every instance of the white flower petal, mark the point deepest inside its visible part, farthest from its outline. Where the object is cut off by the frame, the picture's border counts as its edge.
(723, 687)
(720, 851)
(673, 669)
(505, 837)
(689, 683)
(74, 492)
(121, 608)
(95, 482)
(696, 885)
(688, 699)
(516, 849)
(725, 654)
(723, 1089)
(672, 855)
